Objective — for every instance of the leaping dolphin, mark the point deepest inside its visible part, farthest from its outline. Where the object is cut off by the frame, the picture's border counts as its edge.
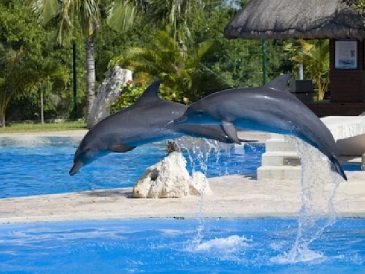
(266, 108)
(149, 119)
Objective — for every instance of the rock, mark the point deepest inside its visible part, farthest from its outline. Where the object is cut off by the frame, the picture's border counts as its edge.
(172, 147)
(199, 185)
(169, 178)
(107, 93)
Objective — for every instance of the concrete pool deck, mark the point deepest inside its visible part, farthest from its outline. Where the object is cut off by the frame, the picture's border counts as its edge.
(233, 196)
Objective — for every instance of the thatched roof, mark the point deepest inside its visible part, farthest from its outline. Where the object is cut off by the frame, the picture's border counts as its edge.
(311, 19)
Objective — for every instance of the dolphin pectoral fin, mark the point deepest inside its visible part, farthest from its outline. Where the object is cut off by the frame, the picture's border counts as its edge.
(121, 148)
(230, 131)
(75, 168)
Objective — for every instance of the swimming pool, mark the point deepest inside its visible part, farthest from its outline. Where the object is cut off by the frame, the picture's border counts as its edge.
(257, 245)
(178, 246)
(42, 167)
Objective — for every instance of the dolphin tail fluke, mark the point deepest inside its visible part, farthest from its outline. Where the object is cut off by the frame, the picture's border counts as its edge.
(75, 168)
(337, 167)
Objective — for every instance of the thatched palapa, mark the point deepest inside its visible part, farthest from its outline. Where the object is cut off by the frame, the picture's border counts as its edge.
(310, 19)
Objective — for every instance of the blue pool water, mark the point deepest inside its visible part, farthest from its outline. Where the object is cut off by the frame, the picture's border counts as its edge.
(43, 168)
(352, 167)
(262, 245)
(177, 246)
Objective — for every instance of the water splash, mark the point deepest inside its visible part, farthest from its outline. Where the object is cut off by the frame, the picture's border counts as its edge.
(198, 151)
(228, 244)
(317, 213)
(318, 184)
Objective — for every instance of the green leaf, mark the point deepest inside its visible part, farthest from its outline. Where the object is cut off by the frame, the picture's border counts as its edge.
(47, 9)
(122, 16)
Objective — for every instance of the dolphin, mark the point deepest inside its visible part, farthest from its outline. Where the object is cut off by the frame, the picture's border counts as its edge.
(149, 119)
(269, 109)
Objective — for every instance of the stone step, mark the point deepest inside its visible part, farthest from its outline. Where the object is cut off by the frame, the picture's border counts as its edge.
(279, 145)
(280, 158)
(279, 173)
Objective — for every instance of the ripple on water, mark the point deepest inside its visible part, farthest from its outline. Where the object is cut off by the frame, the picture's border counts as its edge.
(42, 168)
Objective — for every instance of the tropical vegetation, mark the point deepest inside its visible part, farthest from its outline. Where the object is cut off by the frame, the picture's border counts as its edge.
(314, 56)
(54, 54)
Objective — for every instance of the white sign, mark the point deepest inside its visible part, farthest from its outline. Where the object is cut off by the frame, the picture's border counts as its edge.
(346, 54)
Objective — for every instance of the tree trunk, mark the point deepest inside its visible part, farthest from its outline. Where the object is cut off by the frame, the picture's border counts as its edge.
(90, 74)
(74, 81)
(42, 107)
(300, 72)
(2, 119)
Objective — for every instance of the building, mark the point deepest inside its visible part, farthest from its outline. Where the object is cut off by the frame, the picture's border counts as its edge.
(336, 20)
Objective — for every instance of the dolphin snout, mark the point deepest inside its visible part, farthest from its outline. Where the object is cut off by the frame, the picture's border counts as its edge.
(75, 168)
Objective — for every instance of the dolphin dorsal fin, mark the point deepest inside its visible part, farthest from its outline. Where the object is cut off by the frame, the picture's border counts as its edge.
(150, 94)
(279, 83)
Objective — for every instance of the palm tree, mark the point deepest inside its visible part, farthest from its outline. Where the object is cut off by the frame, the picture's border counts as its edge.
(175, 14)
(314, 55)
(11, 79)
(184, 77)
(85, 16)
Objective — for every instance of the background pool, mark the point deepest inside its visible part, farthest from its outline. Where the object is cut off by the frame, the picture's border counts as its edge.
(42, 168)
(178, 246)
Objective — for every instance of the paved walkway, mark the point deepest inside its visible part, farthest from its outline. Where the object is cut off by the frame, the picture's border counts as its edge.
(233, 196)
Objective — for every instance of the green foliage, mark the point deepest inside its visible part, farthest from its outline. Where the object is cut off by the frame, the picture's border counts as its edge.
(19, 52)
(84, 16)
(238, 62)
(30, 63)
(181, 72)
(360, 4)
(176, 14)
(179, 42)
(122, 16)
(109, 44)
(37, 127)
(70, 15)
(130, 92)
(314, 55)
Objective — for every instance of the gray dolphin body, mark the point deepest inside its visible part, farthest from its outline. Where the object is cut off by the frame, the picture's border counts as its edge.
(149, 119)
(268, 109)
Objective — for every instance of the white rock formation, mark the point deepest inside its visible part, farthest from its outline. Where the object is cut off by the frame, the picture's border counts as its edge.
(169, 178)
(108, 91)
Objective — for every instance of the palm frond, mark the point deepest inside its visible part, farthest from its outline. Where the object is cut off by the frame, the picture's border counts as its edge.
(46, 9)
(89, 14)
(122, 16)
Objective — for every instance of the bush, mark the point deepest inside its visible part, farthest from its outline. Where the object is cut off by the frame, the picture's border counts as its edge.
(130, 92)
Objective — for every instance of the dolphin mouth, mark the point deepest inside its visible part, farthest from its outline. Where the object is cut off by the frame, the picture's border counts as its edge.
(75, 168)
(180, 120)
